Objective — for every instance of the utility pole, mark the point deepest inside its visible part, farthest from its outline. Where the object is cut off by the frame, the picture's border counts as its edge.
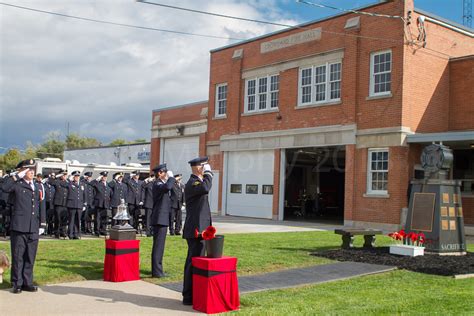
(467, 13)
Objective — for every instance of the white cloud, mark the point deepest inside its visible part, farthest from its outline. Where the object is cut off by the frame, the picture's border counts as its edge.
(106, 80)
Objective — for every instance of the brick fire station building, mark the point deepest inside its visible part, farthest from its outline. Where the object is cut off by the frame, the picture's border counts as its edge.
(328, 119)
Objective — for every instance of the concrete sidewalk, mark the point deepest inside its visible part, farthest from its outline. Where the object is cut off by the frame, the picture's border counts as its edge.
(95, 298)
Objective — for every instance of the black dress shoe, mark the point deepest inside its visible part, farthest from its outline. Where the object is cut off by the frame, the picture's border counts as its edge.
(177, 233)
(16, 290)
(171, 233)
(164, 275)
(30, 288)
(187, 302)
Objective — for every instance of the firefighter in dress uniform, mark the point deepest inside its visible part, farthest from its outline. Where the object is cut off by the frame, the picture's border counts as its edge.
(102, 197)
(177, 200)
(49, 191)
(88, 214)
(27, 222)
(76, 203)
(134, 197)
(119, 192)
(160, 216)
(60, 203)
(148, 203)
(198, 218)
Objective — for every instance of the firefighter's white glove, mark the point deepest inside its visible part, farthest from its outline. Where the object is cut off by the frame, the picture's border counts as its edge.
(41, 231)
(22, 173)
(99, 178)
(207, 167)
(13, 173)
(141, 203)
(183, 208)
(169, 173)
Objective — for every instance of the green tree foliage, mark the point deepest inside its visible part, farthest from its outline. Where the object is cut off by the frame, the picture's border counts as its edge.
(139, 140)
(118, 142)
(10, 159)
(52, 147)
(75, 141)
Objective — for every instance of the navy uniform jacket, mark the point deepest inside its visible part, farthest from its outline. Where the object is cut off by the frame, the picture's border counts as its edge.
(135, 192)
(28, 211)
(76, 196)
(162, 202)
(103, 193)
(198, 211)
(119, 191)
(177, 196)
(148, 194)
(90, 191)
(49, 191)
(60, 196)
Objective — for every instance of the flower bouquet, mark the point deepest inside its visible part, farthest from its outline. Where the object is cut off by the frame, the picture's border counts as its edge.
(214, 243)
(410, 244)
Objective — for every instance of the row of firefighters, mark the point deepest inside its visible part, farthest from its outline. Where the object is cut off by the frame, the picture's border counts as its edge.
(78, 203)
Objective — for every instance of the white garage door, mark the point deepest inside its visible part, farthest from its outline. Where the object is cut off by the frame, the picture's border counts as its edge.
(176, 152)
(249, 172)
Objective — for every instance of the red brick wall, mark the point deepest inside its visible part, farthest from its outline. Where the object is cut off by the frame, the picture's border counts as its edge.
(461, 97)
(154, 152)
(468, 210)
(183, 114)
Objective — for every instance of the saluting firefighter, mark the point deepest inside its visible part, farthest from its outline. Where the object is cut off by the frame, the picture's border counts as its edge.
(198, 218)
(28, 215)
(177, 200)
(102, 196)
(49, 191)
(119, 192)
(134, 196)
(60, 184)
(160, 216)
(148, 202)
(76, 203)
(89, 212)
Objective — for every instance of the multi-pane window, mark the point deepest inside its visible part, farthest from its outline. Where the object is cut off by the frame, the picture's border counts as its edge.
(381, 73)
(262, 93)
(319, 84)
(377, 171)
(221, 99)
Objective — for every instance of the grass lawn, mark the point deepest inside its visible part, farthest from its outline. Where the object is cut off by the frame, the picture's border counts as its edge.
(397, 292)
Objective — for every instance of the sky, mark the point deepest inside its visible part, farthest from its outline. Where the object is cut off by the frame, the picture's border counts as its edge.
(103, 81)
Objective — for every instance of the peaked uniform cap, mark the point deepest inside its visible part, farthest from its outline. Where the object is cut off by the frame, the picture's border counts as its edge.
(198, 161)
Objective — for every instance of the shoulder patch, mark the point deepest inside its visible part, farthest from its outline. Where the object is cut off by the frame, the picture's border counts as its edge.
(196, 183)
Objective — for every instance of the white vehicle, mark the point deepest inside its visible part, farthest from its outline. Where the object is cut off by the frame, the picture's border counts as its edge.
(55, 165)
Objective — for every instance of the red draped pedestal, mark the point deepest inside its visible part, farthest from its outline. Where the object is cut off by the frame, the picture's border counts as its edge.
(215, 285)
(122, 260)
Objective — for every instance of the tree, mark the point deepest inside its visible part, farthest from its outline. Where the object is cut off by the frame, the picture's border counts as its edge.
(10, 159)
(74, 141)
(139, 140)
(118, 142)
(52, 147)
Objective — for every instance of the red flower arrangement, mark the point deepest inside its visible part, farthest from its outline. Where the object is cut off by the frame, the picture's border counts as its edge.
(207, 234)
(409, 239)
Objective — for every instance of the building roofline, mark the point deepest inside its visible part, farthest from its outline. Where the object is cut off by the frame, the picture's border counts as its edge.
(295, 27)
(446, 21)
(440, 137)
(181, 106)
(461, 58)
(108, 146)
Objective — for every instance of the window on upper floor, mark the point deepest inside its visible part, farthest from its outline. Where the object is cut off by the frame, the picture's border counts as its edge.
(377, 171)
(262, 93)
(381, 73)
(221, 99)
(320, 84)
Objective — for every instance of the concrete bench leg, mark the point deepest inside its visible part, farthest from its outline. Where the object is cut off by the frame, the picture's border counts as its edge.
(347, 242)
(369, 241)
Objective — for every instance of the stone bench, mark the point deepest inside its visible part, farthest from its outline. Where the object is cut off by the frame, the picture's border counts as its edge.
(349, 233)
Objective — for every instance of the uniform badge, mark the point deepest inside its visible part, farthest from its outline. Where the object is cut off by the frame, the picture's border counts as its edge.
(196, 183)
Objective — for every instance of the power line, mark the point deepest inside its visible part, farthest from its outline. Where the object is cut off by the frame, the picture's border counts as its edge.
(349, 10)
(119, 24)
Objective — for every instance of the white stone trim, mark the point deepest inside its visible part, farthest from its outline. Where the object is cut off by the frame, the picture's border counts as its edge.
(192, 128)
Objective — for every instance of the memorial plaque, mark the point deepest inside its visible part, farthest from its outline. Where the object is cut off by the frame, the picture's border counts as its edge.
(456, 198)
(446, 198)
(452, 225)
(444, 211)
(460, 211)
(452, 211)
(423, 211)
(444, 225)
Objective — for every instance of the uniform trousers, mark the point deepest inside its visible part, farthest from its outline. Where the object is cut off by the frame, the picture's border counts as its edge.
(74, 230)
(195, 249)
(61, 220)
(148, 227)
(159, 238)
(175, 220)
(23, 249)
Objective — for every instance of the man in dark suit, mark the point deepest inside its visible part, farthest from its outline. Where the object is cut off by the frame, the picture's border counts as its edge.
(119, 192)
(60, 184)
(160, 217)
(198, 218)
(148, 203)
(89, 212)
(76, 203)
(28, 214)
(49, 191)
(134, 197)
(102, 197)
(177, 200)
